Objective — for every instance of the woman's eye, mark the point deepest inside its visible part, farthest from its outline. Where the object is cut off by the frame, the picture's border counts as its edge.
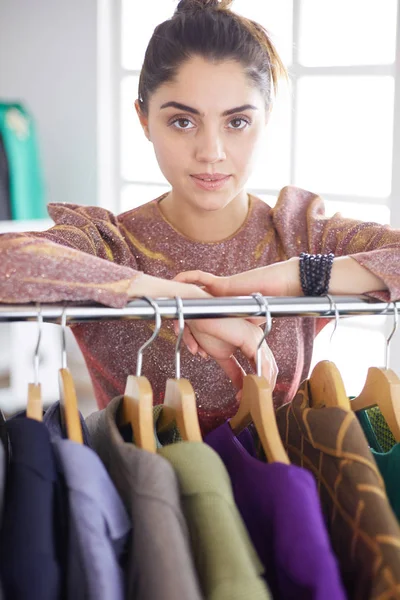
(239, 123)
(182, 123)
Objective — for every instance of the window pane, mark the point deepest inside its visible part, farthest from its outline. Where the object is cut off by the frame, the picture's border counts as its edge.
(137, 26)
(375, 213)
(138, 161)
(359, 32)
(267, 198)
(272, 169)
(277, 18)
(344, 135)
(353, 349)
(133, 196)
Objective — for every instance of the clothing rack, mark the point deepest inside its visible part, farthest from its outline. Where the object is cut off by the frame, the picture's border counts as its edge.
(238, 306)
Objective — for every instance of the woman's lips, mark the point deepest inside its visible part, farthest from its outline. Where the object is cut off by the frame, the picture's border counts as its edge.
(210, 184)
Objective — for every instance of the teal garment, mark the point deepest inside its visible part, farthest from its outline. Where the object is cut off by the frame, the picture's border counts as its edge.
(389, 466)
(373, 443)
(25, 176)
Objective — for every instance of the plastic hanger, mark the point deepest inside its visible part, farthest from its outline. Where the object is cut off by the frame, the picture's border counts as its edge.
(180, 400)
(325, 383)
(68, 401)
(137, 403)
(34, 407)
(382, 388)
(257, 405)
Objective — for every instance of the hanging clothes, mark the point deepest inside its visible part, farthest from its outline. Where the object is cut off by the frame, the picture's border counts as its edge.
(365, 536)
(280, 507)
(31, 535)
(25, 177)
(376, 429)
(369, 432)
(226, 561)
(5, 454)
(98, 525)
(5, 200)
(389, 467)
(159, 565)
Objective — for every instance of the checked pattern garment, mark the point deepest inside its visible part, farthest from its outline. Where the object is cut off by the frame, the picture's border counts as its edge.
(364, 532)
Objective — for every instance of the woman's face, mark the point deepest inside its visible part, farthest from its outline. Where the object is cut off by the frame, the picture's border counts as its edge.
(206, 126)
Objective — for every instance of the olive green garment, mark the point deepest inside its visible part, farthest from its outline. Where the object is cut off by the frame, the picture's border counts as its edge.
(389, 467)
(227, 564)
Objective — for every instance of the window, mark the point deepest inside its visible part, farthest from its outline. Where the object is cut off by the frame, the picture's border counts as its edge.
(331, 131)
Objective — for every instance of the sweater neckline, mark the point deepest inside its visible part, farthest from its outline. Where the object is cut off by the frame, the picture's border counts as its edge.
(193, 241)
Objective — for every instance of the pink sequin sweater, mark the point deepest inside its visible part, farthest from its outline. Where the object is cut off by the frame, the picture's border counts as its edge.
(89, 251)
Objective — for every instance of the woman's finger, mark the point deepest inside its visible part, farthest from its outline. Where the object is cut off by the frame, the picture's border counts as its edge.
(196, 277)
(188, 340)
(217, 286)
(233, 370)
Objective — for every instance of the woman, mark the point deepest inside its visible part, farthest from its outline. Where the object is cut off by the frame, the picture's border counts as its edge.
(205, 95)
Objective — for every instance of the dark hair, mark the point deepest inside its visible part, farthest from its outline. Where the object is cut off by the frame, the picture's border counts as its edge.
(209, 29)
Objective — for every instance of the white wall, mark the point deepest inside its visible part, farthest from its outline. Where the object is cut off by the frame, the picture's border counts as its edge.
(48, 57)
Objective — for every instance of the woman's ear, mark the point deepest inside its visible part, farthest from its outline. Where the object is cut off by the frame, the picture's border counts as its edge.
(144, 121)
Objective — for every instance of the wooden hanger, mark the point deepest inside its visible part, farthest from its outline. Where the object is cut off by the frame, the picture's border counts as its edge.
(137, 410)
(382, 389)
(327, 387)
(68, 401)
(137, 403)
(257, 405)
(34, 407)
(325, 383)
(180, 400)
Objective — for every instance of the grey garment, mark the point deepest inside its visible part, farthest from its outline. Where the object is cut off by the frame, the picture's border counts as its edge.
(160, 564)
(98, 526)
(53, 422)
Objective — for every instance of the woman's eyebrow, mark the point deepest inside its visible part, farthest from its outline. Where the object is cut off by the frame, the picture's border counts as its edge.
(194, 111)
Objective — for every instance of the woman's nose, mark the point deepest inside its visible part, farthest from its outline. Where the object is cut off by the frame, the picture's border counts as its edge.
(210, 147)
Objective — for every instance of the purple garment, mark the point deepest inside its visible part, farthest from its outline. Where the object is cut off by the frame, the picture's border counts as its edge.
(280, 507)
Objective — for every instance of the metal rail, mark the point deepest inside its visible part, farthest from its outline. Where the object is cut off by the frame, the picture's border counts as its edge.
(241, 306)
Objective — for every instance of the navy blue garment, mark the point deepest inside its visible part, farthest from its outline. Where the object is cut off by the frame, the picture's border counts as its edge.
(29, 564)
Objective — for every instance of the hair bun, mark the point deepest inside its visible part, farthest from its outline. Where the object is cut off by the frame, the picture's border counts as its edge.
(186, 6)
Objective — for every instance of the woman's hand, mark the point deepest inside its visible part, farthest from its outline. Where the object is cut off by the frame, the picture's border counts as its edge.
(220, 338)
(278, 279)
(217, 338)
(155, 287)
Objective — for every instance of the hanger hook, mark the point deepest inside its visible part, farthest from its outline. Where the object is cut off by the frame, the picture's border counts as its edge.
(64, 338)
(36, 355)
(263, 303)
(157, 316)
(395, 325)
(333, 307)
(181, 321)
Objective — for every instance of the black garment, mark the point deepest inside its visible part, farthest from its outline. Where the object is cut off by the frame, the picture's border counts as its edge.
(29, 566)
(5, 201)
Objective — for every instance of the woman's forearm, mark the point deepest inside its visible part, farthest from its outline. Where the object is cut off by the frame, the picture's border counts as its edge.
(347, 277)
(283, 279)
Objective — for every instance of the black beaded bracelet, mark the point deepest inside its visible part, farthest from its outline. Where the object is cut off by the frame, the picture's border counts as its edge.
(315, 273)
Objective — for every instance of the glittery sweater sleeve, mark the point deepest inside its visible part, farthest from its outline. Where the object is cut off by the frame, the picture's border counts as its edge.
(299, 218)
(84, 257)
